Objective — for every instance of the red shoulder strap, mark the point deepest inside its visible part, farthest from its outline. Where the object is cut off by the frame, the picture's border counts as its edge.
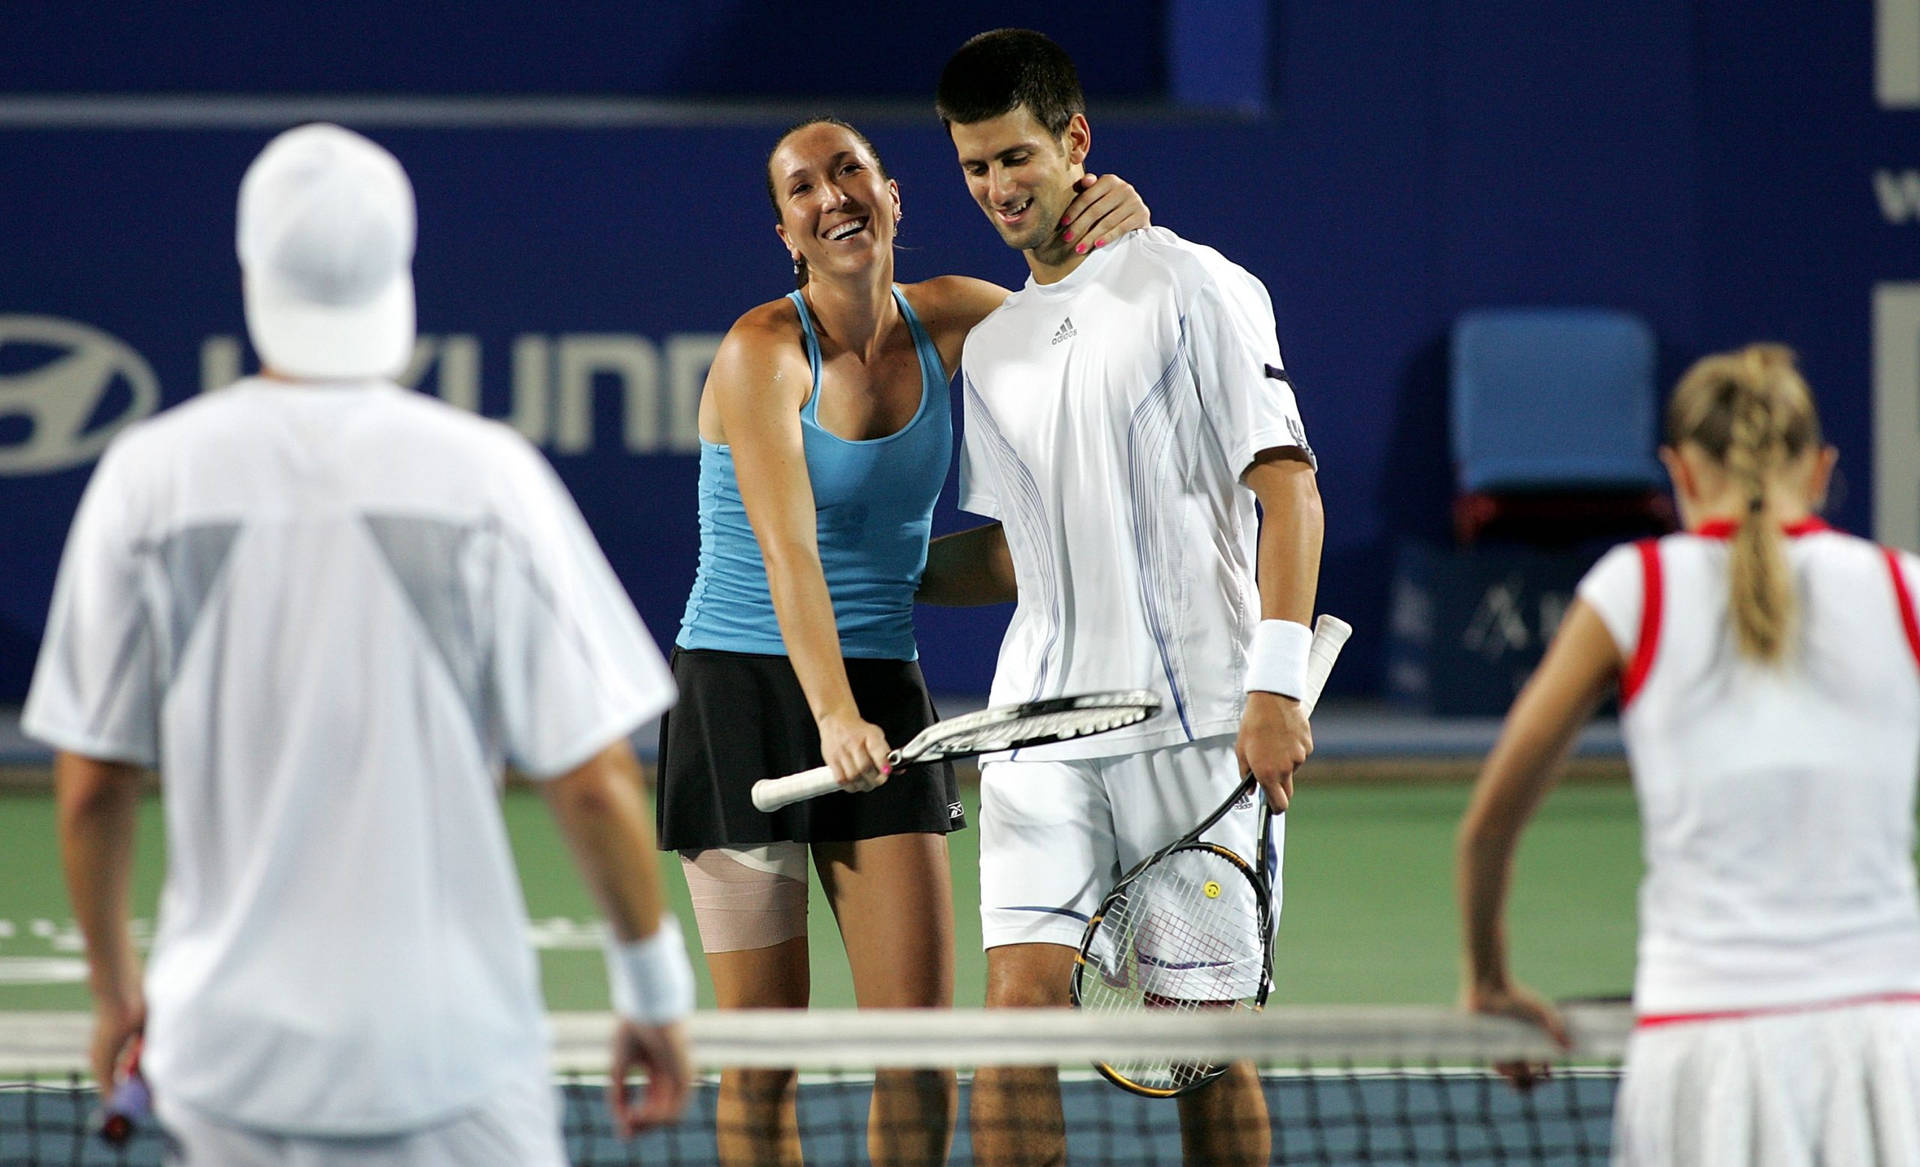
(1905, 599)
(1650, 596)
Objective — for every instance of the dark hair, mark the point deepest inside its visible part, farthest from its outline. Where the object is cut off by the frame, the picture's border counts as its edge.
(773, 194)
(997, 72)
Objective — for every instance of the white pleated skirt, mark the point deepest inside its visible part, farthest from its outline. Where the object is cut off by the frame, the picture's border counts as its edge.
(1831, 1085)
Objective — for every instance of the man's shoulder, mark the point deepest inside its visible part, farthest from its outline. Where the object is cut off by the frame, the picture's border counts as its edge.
(1186, 264)
(421, 424)
(206, 419)
(431, 414)
(499, 461)
(999, 328)
(208, 410)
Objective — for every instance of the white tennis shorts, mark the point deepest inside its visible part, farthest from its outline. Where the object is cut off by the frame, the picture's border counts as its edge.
(1824, 1085)
(518, 1126)
(1056, 836)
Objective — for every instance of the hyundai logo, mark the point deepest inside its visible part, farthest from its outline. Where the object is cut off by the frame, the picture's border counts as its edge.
(60, 396)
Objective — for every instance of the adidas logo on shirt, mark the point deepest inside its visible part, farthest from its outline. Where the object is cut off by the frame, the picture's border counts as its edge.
(1065, 331)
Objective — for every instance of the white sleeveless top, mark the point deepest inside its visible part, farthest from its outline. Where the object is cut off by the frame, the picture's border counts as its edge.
(1776, 802)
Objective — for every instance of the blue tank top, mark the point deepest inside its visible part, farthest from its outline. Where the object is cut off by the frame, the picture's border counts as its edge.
(874, 506)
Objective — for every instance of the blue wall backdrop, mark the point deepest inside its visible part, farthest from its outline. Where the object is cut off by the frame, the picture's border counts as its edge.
(1724, 169)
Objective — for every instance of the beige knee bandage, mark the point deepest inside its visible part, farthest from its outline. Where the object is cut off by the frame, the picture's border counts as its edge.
(747, 897)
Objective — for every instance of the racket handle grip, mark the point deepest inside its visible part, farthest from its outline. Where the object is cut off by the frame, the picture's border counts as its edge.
(770, 794)
(1329, 637)
(126, 1108)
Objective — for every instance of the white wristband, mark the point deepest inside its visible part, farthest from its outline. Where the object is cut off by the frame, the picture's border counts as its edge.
(1277, 658)
(651, 980)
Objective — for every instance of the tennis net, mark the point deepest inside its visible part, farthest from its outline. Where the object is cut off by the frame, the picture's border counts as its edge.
(1392, 1085)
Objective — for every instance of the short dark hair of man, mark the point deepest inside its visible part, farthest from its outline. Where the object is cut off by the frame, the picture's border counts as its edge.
(997, 72)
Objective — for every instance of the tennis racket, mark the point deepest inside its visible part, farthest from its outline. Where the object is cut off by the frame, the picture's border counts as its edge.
(1191, 926)
(127, 1105)
(1003, 727)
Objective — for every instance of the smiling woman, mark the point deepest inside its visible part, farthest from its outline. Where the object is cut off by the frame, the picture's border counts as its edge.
(853, 162)
(825, 436)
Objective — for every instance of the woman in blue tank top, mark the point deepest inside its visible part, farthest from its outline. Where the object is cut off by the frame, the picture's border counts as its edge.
(825, 436)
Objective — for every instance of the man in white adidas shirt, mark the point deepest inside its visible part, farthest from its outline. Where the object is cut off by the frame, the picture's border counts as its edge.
(1123, 412)
(326, 610)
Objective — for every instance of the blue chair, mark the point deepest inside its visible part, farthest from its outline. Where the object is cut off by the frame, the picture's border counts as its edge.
(1553, 422)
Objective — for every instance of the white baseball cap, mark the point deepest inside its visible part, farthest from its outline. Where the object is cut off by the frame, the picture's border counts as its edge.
(326, 234)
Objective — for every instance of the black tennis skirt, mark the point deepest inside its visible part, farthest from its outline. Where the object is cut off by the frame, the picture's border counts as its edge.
(743, 717)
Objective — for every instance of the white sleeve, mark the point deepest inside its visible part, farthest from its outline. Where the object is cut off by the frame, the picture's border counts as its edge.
(1614, 588)
(573, 669)
(1235, 356)
(96, 690)
(977, 494)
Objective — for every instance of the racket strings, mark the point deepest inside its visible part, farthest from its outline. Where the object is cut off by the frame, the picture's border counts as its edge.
(1036, 729)
(1186, 934)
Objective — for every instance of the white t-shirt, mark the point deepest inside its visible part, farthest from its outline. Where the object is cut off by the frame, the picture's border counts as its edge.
(326, 613)
(1777, 803)
(1109, 417)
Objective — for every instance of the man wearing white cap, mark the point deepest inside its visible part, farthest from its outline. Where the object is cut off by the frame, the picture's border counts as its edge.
(328, 611)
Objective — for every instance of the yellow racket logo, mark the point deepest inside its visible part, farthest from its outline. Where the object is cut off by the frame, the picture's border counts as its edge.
(1212, 889)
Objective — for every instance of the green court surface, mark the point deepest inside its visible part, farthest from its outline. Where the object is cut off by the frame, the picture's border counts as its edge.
(1368, 914)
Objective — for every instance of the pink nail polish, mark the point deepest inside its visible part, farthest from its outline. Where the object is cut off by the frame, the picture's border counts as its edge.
(1067, 235)
(1099, 243)
(1082, 249)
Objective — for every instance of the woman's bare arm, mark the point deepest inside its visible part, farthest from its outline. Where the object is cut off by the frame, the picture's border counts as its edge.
(759, 380)
(1580, 665)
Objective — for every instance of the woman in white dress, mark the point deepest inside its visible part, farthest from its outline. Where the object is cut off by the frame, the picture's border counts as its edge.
(1768, 669)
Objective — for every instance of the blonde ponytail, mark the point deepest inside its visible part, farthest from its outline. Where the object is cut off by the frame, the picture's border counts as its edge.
(1751, 412)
